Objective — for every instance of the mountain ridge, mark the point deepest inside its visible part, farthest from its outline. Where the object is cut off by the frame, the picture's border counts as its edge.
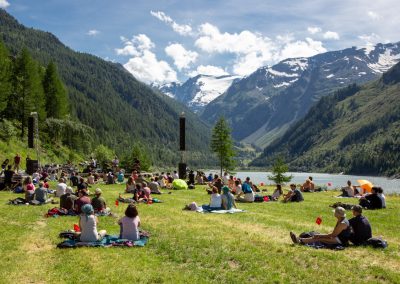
(354, 131)
(272, 98)
(109, 99)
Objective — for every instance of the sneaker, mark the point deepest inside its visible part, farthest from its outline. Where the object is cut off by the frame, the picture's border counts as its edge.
(295, 239)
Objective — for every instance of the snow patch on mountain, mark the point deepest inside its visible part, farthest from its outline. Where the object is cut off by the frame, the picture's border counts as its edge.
(385, 61)
(211, 88)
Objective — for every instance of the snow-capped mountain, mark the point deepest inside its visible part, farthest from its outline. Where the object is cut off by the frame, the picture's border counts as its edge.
(261, 106)
(199, 91)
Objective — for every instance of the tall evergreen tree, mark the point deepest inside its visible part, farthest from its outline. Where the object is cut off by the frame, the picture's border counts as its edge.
(5, 76)
(27, 95)
(222, 145)
(55, 93)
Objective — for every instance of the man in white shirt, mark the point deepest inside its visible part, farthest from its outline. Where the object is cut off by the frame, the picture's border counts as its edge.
(61, 187)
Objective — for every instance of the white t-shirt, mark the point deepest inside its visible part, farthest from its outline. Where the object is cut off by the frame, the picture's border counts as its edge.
(239, 189)
(383, 199)
(216, 200)
(88, 229)
(175, 176)
(130, 228)
(61, 187)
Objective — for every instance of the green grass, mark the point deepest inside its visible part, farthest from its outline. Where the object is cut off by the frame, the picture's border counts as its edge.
(197, 248)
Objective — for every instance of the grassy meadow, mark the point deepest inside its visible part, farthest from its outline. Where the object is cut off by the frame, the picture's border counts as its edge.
(189, 247)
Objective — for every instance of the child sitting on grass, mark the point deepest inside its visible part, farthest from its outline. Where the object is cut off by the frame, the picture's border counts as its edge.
(130, 224)
(88, 225)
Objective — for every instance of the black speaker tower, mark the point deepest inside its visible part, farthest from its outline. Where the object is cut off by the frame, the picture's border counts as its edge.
(182, 146)
(31, 132)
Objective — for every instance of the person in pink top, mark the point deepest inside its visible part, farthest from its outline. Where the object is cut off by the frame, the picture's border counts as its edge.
(29, 189)
(130, 224)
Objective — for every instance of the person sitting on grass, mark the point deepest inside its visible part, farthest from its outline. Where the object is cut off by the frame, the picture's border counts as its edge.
(121, 177)
(130, 224)
(29, 189)
(382, 197)
(228, 200)
(41, 194)
(154, 186)
(88, 225)
(217, 183)
(130, 185)
(294, 195)
(361, 229)
(215, 201)
(247, 194)
(98, 202)
(82, 200)
(339, 236)
(347, 191)
(237, 188)
(276, 194)
(61, 187)
(67, 200)
(372, 200)
(307, 186)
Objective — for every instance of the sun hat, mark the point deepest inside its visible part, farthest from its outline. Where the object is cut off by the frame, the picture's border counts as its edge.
(98, 191)
(225, 189)
(69, 190)
(340, 211)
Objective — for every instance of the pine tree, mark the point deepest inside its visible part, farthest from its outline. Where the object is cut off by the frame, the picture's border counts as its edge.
(222, 145)
(5, 76)
(27, 95)
(55, 93)
(278, 172)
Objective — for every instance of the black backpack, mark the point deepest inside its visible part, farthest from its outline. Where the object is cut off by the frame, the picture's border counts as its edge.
(377, 242)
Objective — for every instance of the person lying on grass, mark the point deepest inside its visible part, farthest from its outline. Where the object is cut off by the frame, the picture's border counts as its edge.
(228, 200)
(130, 224)
(88, 225)
(294, 195)
(339, 236)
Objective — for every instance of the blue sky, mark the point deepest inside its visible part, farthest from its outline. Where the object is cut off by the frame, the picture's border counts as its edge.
(164, 41)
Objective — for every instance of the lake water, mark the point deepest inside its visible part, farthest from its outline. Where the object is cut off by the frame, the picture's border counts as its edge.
(332, 181)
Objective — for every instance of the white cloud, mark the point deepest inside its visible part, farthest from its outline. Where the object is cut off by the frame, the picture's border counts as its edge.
(208, 70)
(180, 29)
(182, 57)
(314, 30)
(4, 4)
(143, 63)
(93, 32)
(135, 46)
(331, 35)
(370, 40)
(374, 16)
(148, 69)
(306, 48)
(253, 50)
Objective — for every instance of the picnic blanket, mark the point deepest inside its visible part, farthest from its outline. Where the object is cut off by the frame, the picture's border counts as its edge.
(56, 212)
(231, 211)
(107, 241)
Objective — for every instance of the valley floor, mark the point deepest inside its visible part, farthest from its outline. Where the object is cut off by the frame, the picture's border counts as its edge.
(189, 247)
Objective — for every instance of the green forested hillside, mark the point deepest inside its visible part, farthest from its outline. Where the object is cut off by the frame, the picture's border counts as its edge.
(104, 96)
(356, 130)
